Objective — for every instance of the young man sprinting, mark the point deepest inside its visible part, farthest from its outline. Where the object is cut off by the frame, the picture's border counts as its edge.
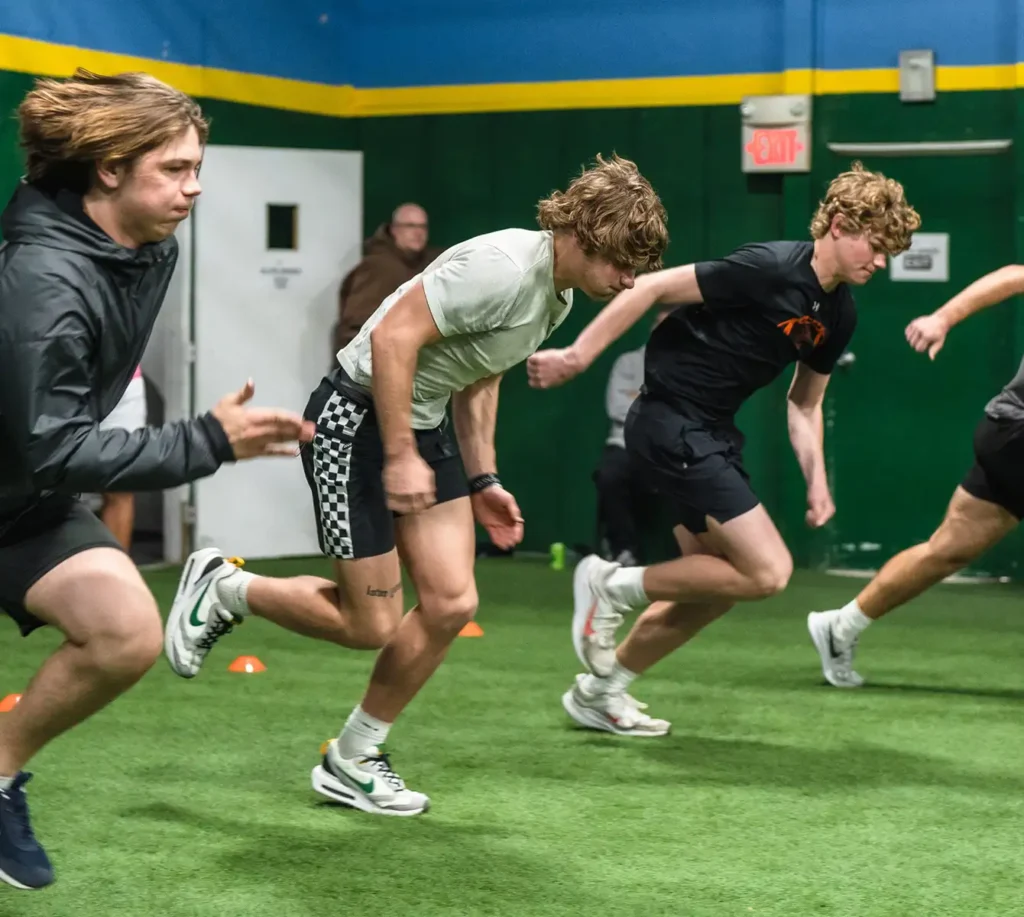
(112, 169)
(987, 505)
(750, 315)
(389, 485)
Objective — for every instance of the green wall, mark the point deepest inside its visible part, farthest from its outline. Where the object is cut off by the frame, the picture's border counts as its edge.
(900, 427)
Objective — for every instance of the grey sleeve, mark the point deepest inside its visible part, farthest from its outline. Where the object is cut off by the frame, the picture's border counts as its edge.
(623, 386)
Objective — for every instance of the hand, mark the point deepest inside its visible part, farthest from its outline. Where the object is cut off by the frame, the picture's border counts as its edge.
(550, 368)
(409, 483)
(928, 333)
(497, 511)
(254, 432)
(820, 507)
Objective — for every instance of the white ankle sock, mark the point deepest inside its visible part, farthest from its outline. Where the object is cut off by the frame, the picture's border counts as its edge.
(361, 731)
(616, 682)
(850, 622)
(232, 589)
(5, 783)
(625, 588)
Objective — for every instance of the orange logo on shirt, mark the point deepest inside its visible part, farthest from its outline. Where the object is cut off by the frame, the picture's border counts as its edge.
(804, 330)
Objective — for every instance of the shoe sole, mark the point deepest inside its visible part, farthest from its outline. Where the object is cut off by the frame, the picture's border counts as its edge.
(4, 877)
(197, 561)
(590, 719)
(583, 599)
(821, 645)
(333, 789)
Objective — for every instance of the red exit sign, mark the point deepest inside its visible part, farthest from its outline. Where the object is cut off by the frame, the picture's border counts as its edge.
(775, 149)
(774, 146)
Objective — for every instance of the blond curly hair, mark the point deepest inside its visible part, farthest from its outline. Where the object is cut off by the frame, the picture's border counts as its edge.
(614, 213)
(868, 202)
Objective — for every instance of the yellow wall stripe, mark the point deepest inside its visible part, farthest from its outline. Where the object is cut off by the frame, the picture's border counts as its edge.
(27, 55)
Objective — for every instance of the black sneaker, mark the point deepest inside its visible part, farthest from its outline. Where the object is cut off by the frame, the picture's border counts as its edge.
(23, 863)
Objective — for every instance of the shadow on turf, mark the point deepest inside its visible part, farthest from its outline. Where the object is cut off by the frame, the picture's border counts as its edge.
(682, 759)
(994, 693)
(422, 865)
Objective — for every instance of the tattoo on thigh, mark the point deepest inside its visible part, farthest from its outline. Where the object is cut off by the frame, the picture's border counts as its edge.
(384, 593)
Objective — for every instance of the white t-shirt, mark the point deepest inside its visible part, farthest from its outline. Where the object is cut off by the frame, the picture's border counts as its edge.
(493, 300)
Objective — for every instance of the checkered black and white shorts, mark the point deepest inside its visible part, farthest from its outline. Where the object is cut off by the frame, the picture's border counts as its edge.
(344, 464)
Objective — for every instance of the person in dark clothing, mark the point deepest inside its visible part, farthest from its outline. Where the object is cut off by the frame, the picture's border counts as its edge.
(112, 166)
(624, 503)
(393, 255)
(751, 314)
(985, 507)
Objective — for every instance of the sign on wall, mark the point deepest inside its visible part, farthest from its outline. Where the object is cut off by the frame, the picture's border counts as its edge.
(927, 259)
(776, 133)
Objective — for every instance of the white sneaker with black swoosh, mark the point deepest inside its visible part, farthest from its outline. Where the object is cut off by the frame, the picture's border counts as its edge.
(366, 782)
(836, 657)
(198, 619)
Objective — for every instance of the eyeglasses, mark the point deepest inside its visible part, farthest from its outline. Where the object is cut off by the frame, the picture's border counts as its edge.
(410, 225)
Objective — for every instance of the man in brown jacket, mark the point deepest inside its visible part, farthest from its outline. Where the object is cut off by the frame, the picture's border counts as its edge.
(395, 253)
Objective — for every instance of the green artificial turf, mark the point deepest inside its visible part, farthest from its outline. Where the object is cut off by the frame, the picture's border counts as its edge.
(774, 795)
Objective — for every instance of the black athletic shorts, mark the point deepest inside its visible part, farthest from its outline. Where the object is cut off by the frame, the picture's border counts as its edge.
(35, 542)
(344, 464)
(997, 475)
(698, 470)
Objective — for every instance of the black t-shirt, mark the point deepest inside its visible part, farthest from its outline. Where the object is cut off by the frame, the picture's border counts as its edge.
(763, 309)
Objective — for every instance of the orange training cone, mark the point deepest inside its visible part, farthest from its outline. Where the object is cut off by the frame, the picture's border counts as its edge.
(249, 664)
(9, 703)
(472, 629)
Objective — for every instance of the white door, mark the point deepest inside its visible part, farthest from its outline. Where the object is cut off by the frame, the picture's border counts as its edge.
(274, 232)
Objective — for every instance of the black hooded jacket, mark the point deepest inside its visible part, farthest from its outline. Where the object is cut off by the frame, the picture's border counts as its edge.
(76, 313)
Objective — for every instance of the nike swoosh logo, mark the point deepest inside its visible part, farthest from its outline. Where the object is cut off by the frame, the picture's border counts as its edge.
(365, 787)
(588, 624)
(833, 652)
(194, 618)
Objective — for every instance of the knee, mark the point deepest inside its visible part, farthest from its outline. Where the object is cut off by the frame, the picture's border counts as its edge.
(124, 647)
(372, 632)
(449, 612)
(771, 578)
(949, 552)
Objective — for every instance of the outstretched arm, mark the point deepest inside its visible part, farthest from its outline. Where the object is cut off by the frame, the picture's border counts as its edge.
(929, 331)
(548, 368)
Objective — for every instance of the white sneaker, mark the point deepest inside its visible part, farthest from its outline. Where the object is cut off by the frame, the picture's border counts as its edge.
(618, 713)
(366, 782)
(198, 619)
(836, 657)
(594, 619)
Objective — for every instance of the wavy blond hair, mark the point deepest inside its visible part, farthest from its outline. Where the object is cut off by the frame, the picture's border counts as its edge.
(614, 213)
(868, 202)
(66, 126)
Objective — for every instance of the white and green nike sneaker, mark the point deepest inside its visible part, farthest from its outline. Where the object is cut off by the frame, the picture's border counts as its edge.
(366, 782)
(198, 619)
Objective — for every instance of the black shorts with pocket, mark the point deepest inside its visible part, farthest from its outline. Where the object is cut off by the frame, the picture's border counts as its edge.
(36, 541)
(697, 469)
(344, 464)
(997, 475)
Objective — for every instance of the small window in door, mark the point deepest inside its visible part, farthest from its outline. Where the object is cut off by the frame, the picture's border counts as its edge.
(282, 226)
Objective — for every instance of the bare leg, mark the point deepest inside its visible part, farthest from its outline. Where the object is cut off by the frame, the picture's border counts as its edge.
(360, 612)
(118, 515)
(750, 562)
(113, 629)
(970, 528)
(666, 626)
(438, 548)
